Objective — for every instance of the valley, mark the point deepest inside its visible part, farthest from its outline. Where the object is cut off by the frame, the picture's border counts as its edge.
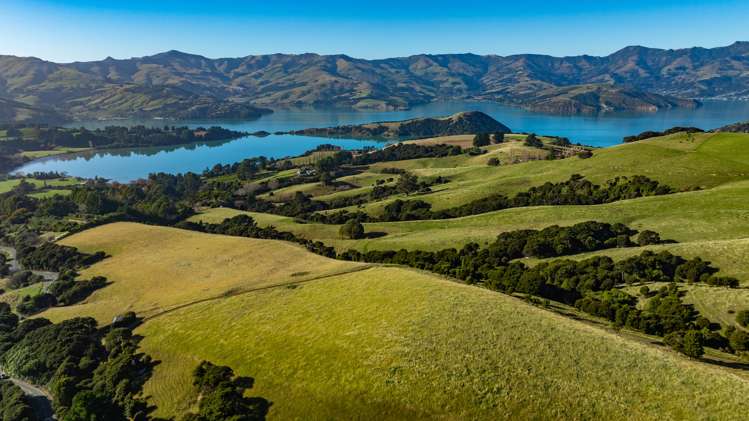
(271, 211)
(283, 296)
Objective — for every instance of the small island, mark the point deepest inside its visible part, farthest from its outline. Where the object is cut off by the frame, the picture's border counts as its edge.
(418, 128)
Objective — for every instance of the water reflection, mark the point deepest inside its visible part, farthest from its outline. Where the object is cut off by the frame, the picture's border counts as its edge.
(130, 164)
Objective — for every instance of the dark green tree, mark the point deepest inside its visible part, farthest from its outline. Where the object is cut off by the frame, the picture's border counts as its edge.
(739, 340)
(533, 141)
(481, 139)
(223, 396)
(90, 406)
(743, 318)
(692, 344)
(498, 137)
(352, 229)
(648, 237)
(407, 183)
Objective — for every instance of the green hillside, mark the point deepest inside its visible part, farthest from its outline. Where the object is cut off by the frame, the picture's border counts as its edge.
(402, 342)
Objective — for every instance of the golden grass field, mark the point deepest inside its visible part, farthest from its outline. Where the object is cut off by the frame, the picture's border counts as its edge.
(377, 342)
(153, 269)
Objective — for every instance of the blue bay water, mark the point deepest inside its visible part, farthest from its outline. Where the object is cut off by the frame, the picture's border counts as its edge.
(127, 165)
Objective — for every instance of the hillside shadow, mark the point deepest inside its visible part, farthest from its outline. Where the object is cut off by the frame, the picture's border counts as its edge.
(375, 234)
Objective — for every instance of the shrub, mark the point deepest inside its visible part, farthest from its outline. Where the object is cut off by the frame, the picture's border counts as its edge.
(352, 229)
(493, 162)
(743, 318)
(689, 343)
(648, 237)
(533, 141)
(723, 281)
(738, 340)
(475, 151)
(481, 139)
(223, 396)
(498, 137)
(692, 344)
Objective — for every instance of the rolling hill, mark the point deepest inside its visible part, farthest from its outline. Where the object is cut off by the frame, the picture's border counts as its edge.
(394, 342)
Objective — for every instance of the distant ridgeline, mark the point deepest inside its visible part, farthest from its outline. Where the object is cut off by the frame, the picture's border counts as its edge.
(471, 122)
(194, 86)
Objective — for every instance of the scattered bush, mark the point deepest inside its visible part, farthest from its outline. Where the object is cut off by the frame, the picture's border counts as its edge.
(223, 396)
(723, 281)
(533, 141)
(481, 139)
(647, 237)
(352, 229)
(742, 318)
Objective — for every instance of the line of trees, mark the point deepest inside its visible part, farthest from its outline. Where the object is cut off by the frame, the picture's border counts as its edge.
(650, 134)
(574, 191)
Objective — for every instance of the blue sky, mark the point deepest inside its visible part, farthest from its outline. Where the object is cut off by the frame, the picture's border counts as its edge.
(81, 30)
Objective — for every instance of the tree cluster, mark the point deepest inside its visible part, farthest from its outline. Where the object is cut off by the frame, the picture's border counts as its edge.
(222, 396)
(63, 292)
(404, 151)
(55, 257)
(14, 404)
(574, 191)
(93, 374)
(650, 134)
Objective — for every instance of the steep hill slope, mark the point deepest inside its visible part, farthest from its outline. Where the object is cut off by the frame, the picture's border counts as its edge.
(593, 99)
(19, 112)
(385, 342)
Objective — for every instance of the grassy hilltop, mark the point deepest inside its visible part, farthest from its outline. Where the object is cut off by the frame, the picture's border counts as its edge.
(385, 342)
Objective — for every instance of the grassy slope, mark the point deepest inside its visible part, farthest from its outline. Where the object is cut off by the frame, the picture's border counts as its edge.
(703, 160)
(155, 268)
(717, 162)
(8, 185)
(52, 152)
(717, 304)
(715, 214)
(385, 343)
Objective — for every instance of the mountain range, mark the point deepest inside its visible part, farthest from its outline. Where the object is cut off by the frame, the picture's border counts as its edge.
(181, 85)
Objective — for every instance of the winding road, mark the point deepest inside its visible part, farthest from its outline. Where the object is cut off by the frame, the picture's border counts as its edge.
(40, 399)
(15, 266)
